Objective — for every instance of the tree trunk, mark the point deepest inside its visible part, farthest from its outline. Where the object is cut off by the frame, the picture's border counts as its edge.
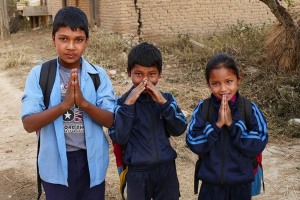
(4, 20)
(283, 41)
(280, 13)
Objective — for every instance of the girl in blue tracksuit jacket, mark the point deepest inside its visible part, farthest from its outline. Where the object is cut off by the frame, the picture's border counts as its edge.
(226, 146)
(144, 120)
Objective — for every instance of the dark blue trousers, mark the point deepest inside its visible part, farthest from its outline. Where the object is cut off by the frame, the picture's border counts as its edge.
(218, 192)
(158, 183)
(78, 180)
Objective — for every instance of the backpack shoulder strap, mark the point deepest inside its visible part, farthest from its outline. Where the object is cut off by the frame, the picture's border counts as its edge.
(245, 110)
(47, 77)
(207, 116)
(95, 78)
(207, 110)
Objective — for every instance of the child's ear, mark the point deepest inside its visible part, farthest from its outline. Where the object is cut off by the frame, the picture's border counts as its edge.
(239, 79)
(87, 42)
(129, 73)
(53, 39)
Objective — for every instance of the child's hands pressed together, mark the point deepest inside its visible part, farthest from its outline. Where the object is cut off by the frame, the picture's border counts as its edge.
(155, 93)
(74, 94)
(79, 100)
(69, 97)
(136, 92)
(224, 116)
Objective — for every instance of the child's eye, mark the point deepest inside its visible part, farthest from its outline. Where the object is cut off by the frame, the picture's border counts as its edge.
(80, 40)
(63, 39)
(214, 84)
(137, 73)
(152, 74)
(229, 81)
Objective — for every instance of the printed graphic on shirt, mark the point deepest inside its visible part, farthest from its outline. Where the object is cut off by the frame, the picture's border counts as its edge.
(73, 118)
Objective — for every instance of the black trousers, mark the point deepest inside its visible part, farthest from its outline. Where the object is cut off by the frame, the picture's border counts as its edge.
(78, 180)
(158, 184)
(218, 192)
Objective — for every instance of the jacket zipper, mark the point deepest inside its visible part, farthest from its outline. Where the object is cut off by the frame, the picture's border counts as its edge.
(153, 126)
(224, 145)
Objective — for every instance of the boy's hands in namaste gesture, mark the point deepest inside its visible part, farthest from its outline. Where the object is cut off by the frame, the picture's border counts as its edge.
(145, 86)
(74, 94)
(224, 116)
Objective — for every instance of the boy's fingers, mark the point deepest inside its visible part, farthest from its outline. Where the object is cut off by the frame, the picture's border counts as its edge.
(141, 87)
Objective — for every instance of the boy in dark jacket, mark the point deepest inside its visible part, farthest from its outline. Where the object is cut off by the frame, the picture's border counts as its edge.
(144, 120)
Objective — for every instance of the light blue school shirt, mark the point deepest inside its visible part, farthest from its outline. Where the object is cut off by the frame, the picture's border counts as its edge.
(52, 159)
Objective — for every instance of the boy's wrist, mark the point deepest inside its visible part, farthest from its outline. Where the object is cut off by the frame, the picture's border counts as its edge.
(128, 102)
(162, 101)
(64, 106)
(84, 105)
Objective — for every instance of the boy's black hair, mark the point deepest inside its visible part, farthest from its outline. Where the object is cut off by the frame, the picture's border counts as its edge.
(71, 17)
(218, 61)
(146, 55)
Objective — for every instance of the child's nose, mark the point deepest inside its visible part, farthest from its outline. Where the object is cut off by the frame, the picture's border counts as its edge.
(70, 45)
(223, 87)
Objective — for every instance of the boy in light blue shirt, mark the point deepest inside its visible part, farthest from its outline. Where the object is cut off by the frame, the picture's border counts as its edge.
(73, 157)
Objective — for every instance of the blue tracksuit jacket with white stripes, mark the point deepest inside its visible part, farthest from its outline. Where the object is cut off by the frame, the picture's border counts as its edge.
(144, 129)
(226, 152)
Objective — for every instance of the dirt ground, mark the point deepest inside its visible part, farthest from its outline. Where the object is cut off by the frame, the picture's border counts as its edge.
(18, 148)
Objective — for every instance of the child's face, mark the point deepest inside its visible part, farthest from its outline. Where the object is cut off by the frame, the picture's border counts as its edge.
(138, 73)
(70, 45)
(223, 81)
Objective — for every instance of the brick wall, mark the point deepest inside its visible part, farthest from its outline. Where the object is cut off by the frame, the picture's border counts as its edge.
(118, 16)
(84, 5)
(54, 6)
(170, 17)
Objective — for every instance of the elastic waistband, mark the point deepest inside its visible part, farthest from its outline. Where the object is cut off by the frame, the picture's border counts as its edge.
(150, 167)
(76, 154)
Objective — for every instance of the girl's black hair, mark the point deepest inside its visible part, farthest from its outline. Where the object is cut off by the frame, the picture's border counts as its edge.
(146, 55)
(218, 61)
(71, 17)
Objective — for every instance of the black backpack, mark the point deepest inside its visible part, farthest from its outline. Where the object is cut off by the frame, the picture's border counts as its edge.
(47, 78)
(245, 110)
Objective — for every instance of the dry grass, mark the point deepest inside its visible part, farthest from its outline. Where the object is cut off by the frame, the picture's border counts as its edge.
(24, 50)
(283, 45)
(107, 49)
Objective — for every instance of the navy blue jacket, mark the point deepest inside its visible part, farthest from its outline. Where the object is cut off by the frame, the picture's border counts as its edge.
(226, 152)
(144, 129)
